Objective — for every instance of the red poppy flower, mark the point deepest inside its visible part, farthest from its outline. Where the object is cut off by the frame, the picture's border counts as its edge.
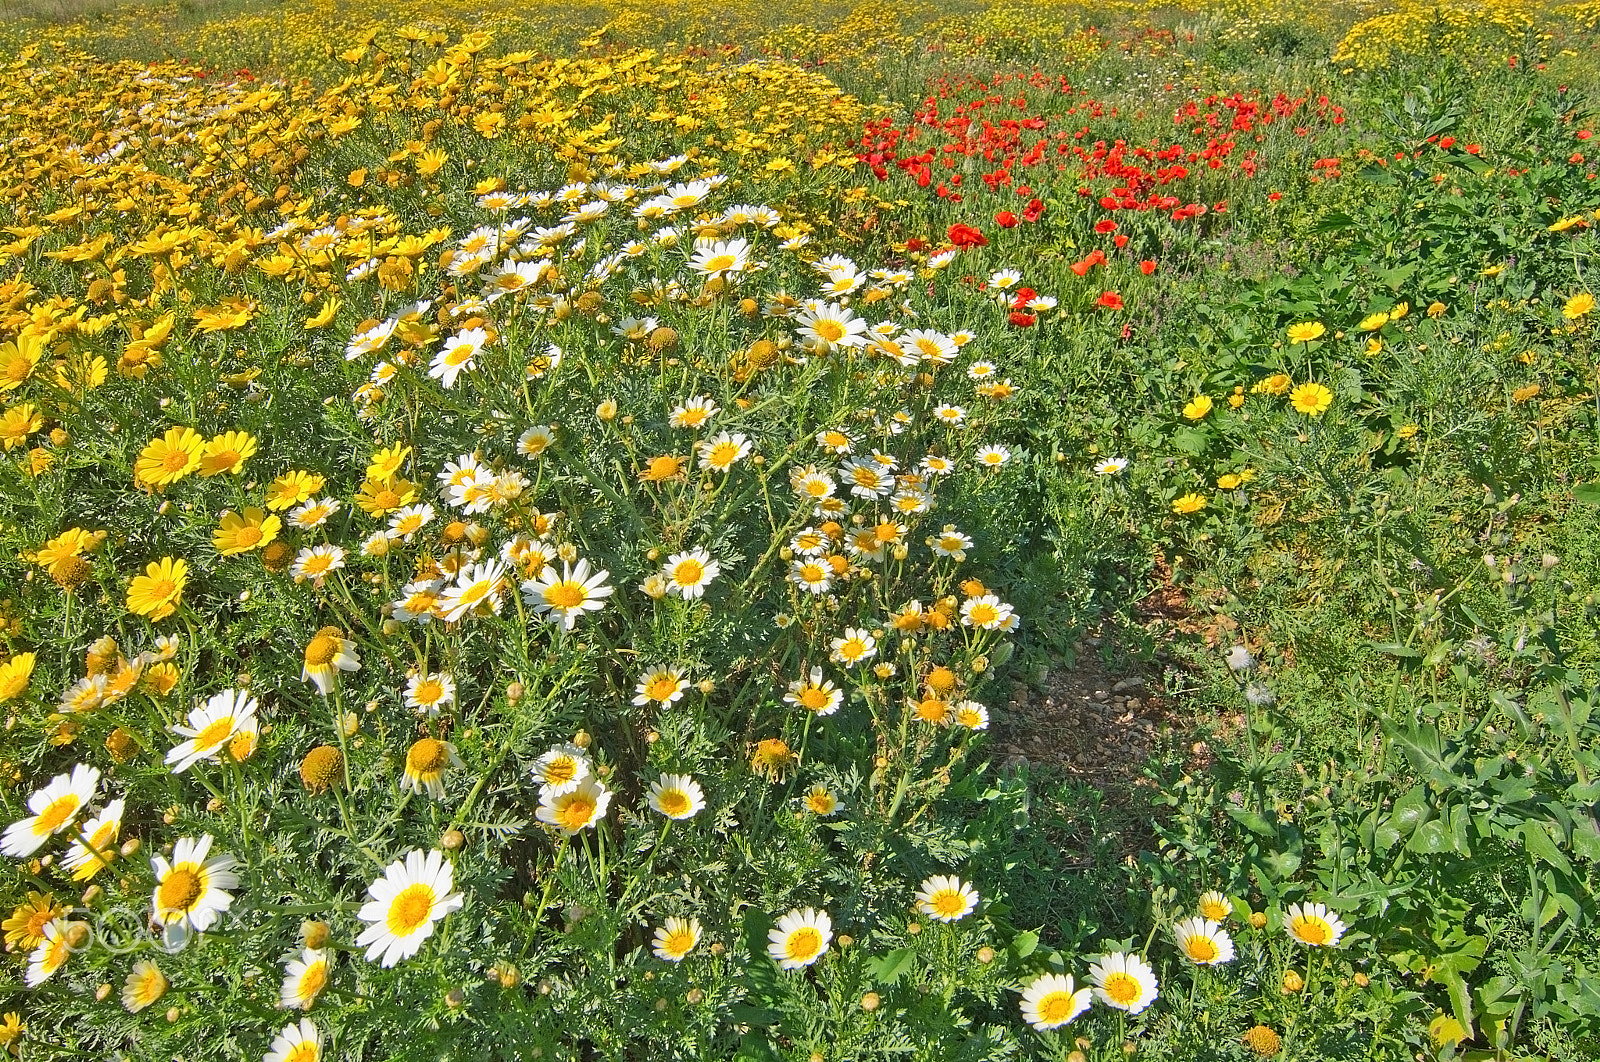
(1023, 297)
(1120, 240)
(1022, 320)
(967, 236)
(1033, 211)
(1080, 268)
(1103, 227)
(1147, 266)
(1110, 300)
(1006, 219)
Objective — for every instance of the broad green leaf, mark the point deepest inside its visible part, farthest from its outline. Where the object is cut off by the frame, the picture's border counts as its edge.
(887, 969)
(1537, 840)
(1024, 943)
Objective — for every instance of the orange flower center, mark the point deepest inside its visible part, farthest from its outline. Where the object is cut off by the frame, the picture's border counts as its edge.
(409, 911)
(804, 943)
(180, 889)
(1123, 989)
(674, 801)
(312, 981)
(1312, 930)
(56, 815)
(427, 756)
(214, 734)
(566, 595)
(576, 813)
(1202, 949)
(688, 573)
(1055, 1007)
(322, 650)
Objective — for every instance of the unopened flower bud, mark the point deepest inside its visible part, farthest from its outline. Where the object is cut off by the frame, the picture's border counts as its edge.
(315, 933)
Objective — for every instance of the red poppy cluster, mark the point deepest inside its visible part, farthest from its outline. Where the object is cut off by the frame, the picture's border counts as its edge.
(995, 130)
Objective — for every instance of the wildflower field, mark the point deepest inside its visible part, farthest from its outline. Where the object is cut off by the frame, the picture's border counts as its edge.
(621, 531)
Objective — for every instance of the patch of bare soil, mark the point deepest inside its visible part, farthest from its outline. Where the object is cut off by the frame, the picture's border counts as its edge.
(1104, 722)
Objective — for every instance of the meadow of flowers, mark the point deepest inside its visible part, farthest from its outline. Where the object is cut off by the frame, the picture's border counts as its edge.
(520, 531)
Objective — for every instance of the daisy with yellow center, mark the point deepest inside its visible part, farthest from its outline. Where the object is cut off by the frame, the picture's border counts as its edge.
(723, 451)
(576, 809)
(992, 456)
(561, 769)
(156, 593)
(328, 653)
(296, 1043)
(821, 801)
(227, 453)
(695, 413)
(1312, 399)
(1215, 906)
(292, 488)
(1578, 306)
(562, 598)
(61, 938)
(304, 978)
(14, 676)
(97, 848)
(1306, 331)
(1124, 981)
(536, 440)
(1203, 941)
(676, 938)
(314, 513)
(823, 326)
(241, 532)
(931, 709)
(427, 692)
(811, 574)
(800, 938)
(854, 647)
(54, 807)
(814, 693)
(946, 898)
(426, 761)
(970, 714)
(25, 928)
(1313, 925)
(677, 796)
(985, 612)
(458, 354)
(663, 685)
(1051, 1000)
(477, 587)
(1189, 504)
(316, 563)
(688, 574)
(211, 727)
(412, 895)
(191, 889)
(144, 985)
(169, 458)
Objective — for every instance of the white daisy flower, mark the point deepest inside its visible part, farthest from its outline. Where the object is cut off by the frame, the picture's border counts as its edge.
(211, 726)
(412, 895)
(800, 938)
(54, 807)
